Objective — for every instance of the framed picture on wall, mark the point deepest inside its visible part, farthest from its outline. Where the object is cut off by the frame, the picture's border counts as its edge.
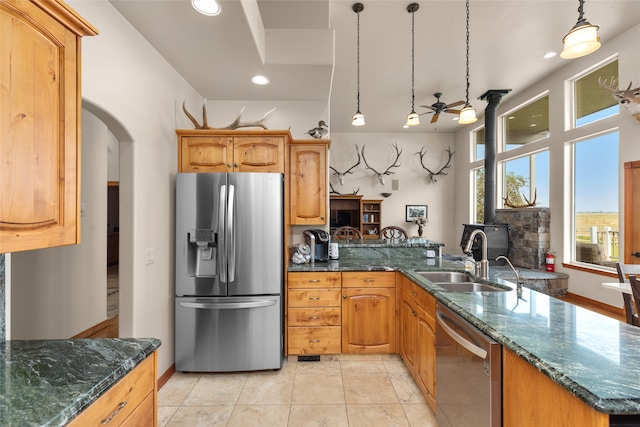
(415, 211)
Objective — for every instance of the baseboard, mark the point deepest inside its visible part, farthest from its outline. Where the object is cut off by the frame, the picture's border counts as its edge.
(165, 377)
(105, 329)
(599, 306)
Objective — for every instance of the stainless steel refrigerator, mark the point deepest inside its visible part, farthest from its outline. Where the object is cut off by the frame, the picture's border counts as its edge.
(229, 271)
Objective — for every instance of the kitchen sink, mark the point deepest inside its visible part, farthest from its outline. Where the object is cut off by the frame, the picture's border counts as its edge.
(445, 276)
(469, 287)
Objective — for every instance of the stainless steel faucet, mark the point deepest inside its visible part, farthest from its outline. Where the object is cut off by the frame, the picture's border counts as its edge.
(484, 263)
(518, 282)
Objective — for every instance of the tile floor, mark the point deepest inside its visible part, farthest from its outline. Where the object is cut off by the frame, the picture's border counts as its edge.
(337, 391)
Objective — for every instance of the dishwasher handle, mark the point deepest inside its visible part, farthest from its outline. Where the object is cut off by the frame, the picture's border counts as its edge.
(478, 351)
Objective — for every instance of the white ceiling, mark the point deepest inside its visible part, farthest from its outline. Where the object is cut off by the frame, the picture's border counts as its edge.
(292, 42)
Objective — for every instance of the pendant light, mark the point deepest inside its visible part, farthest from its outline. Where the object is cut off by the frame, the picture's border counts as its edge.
(468, 113)
(358, 117)
(413, 119)
(582, 39)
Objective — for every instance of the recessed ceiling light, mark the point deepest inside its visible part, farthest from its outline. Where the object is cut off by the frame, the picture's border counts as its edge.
(532, 125)
(549, 55)
(259, 80)
(511, 117)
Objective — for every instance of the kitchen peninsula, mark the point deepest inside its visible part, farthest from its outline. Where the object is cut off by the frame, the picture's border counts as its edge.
(562, 364)
(78, 382)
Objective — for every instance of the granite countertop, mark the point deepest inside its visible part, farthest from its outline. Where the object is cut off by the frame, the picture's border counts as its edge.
(49, 382)
(589, 354)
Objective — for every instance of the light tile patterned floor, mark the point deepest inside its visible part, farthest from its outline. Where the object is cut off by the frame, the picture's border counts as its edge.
(338, 391)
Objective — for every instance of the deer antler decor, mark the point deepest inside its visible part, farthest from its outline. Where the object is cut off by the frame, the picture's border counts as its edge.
(529, 204)
(236, 124)
(388, 171)
(341, 175)
(630, 98)
(433, 175)
(333, 191)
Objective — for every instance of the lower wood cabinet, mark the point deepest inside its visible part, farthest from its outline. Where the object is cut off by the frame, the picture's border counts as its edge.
(417, 339)
(131, 401)
(368, 312)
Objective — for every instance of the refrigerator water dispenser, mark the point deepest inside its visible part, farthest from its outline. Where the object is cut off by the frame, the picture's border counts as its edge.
(202, 248)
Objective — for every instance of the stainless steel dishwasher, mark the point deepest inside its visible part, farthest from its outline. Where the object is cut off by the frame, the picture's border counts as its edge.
(468, 374)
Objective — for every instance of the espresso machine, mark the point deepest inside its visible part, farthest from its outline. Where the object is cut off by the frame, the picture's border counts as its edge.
(318, 241)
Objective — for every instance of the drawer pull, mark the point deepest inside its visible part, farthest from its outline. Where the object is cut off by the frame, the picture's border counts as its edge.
(314, 317)
(369, 280)
(314, 298)
(314, 340)
(314, 281)
(118, 409)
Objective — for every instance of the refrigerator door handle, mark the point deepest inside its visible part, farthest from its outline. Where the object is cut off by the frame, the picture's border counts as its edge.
(231, 234)
(221, 233)
(229, 305)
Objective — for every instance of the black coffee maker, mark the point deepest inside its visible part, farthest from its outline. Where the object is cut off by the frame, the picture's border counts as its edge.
(318, 241)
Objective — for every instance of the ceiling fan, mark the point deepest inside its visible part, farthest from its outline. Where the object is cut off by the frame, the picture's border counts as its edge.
(440, 107)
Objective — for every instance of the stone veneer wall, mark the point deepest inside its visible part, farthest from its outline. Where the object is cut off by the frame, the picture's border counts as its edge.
(529, 237)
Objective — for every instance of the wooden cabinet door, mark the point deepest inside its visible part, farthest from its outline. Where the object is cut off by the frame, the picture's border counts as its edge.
(368, 320)
(426, 372)
(206, 154)
(39, 125)
(258, 154)
(308, 184)
(631, 209)
(408, 332)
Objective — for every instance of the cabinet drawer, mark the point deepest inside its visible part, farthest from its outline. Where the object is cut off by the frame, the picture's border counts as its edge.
(313, 280)
(314, 297)
(127, 394)
(323, 340)
(143, 415)
(424, 299)
(368, 279)
(323, 316)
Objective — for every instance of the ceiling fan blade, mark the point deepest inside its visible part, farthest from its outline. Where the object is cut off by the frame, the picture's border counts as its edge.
(454, 111)
(426, 112)
(427, 106)
(455, 104)
(435, 117)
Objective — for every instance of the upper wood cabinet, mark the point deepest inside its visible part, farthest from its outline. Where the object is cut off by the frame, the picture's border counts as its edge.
(40, 124)
(203, 150)
(308, 182)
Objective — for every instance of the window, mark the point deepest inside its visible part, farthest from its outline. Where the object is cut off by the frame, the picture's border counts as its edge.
(478, 137)
(527, 124)
(526, 179)
(478, 196)
(595, 196)
(593, 102)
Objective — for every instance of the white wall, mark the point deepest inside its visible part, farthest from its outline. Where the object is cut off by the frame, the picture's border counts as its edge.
(414, 186)
(626, 45)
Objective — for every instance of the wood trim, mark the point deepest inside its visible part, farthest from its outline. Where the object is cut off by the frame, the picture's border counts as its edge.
(64, 14)
(594, 305)
(165, 377)
(592, 270)
(106, 329)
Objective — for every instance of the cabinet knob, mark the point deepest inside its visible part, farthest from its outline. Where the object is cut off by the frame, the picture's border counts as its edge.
(235, 165)
(415, 294)
(322, 217)
(229, 165)
(636, 254)
(413, 312)
(344, 296)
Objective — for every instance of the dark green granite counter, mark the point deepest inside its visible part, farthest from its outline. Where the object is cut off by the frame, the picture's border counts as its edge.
(593, 356)
(49, 382)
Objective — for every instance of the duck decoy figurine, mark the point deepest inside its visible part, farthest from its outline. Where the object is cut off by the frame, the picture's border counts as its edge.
(319, 132)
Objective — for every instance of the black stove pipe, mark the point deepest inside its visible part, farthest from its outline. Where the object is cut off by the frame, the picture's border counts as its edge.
(493, 98)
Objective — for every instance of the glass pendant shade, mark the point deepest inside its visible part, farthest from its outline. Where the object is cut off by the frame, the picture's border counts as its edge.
(413, 119)
(580, 41)
(358, 119)
(467, 115)
(207, 7)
